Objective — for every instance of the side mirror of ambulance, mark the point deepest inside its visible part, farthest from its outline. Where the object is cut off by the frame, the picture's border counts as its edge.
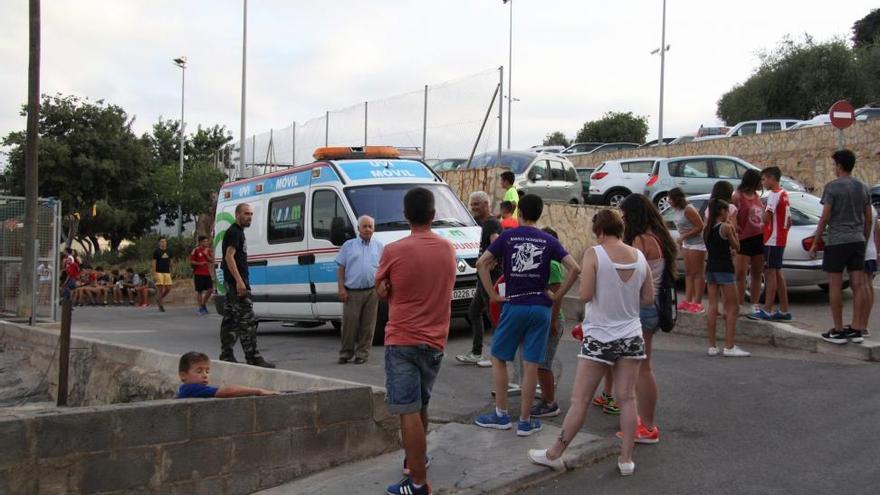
(339, 233)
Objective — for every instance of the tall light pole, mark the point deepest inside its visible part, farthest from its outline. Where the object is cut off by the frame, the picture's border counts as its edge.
(243, 140)
(510, 98)
(662, 50)
(181, 62)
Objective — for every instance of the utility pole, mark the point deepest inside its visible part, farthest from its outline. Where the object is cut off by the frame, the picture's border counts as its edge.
(181, 62)
(663, 49)
(509, 75)
(243, 140)
(31, 176)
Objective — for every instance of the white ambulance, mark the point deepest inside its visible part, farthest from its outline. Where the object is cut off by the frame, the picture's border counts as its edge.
(304, 214)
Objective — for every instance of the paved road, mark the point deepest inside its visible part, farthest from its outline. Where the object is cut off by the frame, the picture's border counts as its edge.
(779, 422)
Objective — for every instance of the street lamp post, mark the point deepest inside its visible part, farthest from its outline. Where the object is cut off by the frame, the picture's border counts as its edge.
(510, 98)
(242, 140)
(662, 51)
(181, 62)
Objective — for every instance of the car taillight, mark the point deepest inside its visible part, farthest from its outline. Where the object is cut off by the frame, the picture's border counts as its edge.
(807, 243)
(598, 175)
(652, 180)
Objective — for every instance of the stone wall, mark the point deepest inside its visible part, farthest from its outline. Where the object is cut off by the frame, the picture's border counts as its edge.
(804, 154)
(143, 445)
(572, 223)
(216, 446)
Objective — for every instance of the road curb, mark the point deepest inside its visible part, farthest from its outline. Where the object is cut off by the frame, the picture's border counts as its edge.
(467, 460)
(776, 334)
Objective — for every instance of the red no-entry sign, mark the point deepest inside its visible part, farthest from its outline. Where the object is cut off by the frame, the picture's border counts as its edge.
(842, 114)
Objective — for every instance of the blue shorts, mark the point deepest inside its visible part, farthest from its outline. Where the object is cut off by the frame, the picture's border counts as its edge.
(650, 318)
(720, 278)
(773, 257)
(410, 372)
(526, 324)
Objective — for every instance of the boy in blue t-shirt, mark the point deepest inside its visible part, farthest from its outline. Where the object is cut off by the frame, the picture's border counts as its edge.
(526, 253)
(194, 369)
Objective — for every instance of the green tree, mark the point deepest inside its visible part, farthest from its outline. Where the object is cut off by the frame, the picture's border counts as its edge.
(867, 29)
(89, 156)
(798, 80)
(200, 175)
(615, 127)
(556, 138)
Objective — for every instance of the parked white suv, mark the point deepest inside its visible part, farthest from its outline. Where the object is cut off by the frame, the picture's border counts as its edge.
(750, 127)
(617, 179)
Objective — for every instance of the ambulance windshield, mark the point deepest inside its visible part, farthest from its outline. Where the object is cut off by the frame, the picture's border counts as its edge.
(384, 202)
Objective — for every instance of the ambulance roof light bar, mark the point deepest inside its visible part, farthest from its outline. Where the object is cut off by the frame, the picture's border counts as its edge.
(346, 153)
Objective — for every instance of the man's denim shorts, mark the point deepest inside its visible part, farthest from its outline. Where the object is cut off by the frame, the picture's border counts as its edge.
(410, 372)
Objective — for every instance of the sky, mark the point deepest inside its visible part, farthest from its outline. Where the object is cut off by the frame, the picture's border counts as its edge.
(573, 60)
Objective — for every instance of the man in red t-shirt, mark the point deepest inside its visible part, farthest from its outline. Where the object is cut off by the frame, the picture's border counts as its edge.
(202, 261)
(416, 275)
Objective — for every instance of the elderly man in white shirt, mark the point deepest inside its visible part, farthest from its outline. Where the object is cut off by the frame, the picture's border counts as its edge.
(357, 263)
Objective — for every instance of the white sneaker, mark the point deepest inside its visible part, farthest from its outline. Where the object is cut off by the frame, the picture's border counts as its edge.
(736, 352)
(485, 363)
(469, 358)
(626, 468)
(540, 457)
(713, 351)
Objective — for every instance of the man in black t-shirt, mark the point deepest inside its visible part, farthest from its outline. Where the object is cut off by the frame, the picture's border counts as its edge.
(162, 272)
(239, 321)
(479, 206)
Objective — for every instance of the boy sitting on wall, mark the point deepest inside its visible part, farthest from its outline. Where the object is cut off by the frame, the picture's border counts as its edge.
(194, 369)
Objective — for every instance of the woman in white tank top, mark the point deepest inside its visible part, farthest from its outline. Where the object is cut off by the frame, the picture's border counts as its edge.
(615, 283)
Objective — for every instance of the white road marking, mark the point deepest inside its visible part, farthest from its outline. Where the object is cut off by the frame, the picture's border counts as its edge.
(113, 331)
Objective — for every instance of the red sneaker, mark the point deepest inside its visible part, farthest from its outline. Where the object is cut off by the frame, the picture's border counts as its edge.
(644, 435)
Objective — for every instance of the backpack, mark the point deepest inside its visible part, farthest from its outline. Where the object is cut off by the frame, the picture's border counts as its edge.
(667, 302)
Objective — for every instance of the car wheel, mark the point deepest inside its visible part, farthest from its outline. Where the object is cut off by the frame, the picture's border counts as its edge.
(615, 197)
(574, 202)
(826, 287)
(337, 325)
(662, 201)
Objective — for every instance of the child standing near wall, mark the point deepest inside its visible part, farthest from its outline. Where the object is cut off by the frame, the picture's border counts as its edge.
(508, 221)
(720, 236)
(777, 222)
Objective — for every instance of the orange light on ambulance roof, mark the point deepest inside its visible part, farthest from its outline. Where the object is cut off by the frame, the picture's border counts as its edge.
(342, 153)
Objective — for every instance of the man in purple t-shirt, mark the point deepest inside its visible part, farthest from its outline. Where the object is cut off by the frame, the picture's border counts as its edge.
(526, 253)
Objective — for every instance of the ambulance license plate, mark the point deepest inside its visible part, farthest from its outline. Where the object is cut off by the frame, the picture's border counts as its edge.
(464, 293)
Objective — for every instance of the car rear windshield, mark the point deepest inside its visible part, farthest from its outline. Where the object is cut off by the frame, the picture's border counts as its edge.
(384, 202)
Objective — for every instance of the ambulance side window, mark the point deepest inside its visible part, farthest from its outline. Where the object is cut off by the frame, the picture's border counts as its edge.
(286, 219)
(326, 206)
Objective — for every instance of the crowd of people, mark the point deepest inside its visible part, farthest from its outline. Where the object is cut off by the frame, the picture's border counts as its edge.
(85, 285)
(624, 281)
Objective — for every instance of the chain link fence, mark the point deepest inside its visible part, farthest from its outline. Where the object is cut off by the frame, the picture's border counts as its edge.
(12, 249)
(436, 122)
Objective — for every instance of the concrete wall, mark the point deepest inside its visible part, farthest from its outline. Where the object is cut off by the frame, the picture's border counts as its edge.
(572, 223)
(216, 446)
(803, 154)
(225, 446)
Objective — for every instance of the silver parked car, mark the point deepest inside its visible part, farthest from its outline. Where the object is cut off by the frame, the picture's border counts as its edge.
(698, 174)
(798, 268)
(551, 177)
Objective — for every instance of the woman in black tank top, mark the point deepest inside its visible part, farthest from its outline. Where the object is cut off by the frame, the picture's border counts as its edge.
(721, 240)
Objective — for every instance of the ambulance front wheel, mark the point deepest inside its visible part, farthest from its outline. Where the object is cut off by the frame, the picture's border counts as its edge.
(381, 320)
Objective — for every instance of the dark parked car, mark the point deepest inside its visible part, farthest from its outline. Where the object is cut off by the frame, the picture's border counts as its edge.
(581, 148)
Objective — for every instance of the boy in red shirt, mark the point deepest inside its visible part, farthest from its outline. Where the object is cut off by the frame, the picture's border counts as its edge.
(777, 222)
(202, 261)
(416, 275)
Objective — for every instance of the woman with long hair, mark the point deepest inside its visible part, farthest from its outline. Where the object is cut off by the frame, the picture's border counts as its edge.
(690, 239)
(615, 283)
(720, 236)
(750, 229)
(646, 232)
